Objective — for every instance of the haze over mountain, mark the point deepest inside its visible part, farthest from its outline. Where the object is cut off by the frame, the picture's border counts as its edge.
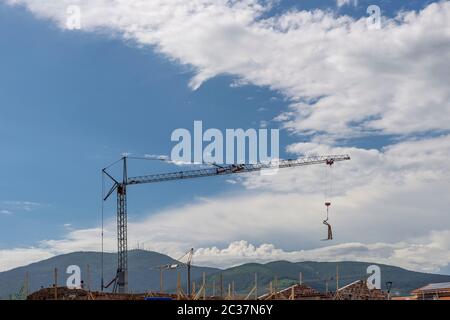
(144, 276)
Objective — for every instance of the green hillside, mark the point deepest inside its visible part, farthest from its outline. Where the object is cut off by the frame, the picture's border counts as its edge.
(143, 278)
(317, 274)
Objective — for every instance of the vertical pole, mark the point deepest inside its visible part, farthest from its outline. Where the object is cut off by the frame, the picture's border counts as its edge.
(301, 278)
(337, 277)
(103, 213)
(56, 283)
(27, 284)
(256, 286)
(221, 285)
(233, 291)
(214, 288)
(326, 286)
(179, 286)
(204, 286)
(161, 280)
(189, 280)
(89, 277)
(276, 284)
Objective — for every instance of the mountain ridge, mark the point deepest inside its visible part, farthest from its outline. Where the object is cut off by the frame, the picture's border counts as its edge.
(144, 276)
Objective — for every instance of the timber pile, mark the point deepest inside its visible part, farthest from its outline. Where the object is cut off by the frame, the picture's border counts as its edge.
(358, 290)
(63, 293)
(297, 292)
(59, 294)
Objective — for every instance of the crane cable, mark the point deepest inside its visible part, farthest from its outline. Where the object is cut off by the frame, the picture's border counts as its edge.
(103, 216)
(328, 182)
(186, 255)
(328, 194)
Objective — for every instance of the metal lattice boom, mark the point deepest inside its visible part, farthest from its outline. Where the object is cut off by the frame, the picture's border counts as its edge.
(232, 169)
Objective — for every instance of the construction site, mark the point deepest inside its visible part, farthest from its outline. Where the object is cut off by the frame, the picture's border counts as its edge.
(354, 291)
(214, 288)
(118, 286)
(224, 290)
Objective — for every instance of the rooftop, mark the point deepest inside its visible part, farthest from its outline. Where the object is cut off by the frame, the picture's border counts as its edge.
(444, 286)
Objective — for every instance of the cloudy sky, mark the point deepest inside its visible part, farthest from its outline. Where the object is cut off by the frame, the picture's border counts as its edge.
(73, 100)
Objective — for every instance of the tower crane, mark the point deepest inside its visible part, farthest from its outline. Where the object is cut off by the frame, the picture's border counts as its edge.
(120, 186)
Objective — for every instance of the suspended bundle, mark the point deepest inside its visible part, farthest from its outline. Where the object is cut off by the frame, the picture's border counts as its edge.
(328, 194)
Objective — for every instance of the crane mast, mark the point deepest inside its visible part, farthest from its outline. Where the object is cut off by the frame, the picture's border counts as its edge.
(122, 223)
(120, 187)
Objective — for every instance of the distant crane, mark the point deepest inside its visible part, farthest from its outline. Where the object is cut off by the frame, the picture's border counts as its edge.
(120, 187)
(189, 256)
(161, 274)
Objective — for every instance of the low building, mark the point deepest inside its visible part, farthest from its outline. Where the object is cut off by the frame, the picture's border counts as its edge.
(357, 290)
(433, 291)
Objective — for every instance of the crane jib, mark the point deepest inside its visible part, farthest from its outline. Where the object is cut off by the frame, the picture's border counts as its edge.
(232, 169)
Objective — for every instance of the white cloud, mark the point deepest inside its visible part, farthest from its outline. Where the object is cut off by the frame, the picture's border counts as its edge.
(392, 80)
(428, 254)
(12, 207)
(397, 164)
(11, 258)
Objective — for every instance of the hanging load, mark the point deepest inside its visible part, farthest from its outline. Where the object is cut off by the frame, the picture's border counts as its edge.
(328, 192)
(325, 222)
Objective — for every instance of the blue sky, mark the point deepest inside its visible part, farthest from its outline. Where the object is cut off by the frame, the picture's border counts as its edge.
(76, 102)
(73, 101)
